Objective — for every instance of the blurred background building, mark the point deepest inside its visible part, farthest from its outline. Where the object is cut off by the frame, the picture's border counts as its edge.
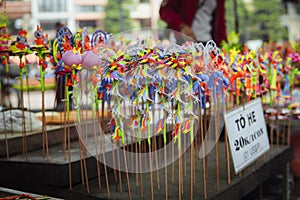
(26, 14)
(75, 14)
(292, 19)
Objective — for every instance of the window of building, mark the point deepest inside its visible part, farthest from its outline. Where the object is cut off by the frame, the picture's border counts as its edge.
(87, 23)
(89, 8)
(53, 6)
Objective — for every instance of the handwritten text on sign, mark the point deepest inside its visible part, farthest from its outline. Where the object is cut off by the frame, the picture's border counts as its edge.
(247, 134)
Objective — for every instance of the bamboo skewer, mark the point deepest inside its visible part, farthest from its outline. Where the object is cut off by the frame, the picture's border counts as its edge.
(141, 174)
(124, 154)
(192, 174)
(155, 150)
(83, 151)
(44, 131)
(103, 146)
(173, 146)
(113, 151)
(5, 135)
(166, 173)
(63, 118)
(119, 169)
(136, 157)
(217, 145)
(227, 155)
(85, 171)
(203, 150)
(192, 170)
(28, 97)
(179, 174)
(81, 161)
(24, 138)
(95, 106)
(69, 153)
(127, 176)
(3, 116)
(97, 155)
(151, 173)
(67, 115)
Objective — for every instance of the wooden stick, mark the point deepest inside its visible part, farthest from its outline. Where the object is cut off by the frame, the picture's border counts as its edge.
(67, 108)
(103, 147)
(140, 149)
(141, 174)
(23, 114)
(64, 125)
(65, 131)
(172, 146)
(83, 116)
(184, 156)
(134, 112)
(44, 131)
(113, 152)
(3, 115)
(192, 163)
(106, 174)
(166, 172)
(203, 150)
(28, 97)
(82, 150)
(195, 155)
(151, 173)
(197, 144)
(165, 147)
(149, 146)
(97, 154)
(179, 174)
(85, 172)
(217, 145)
(136, 164)
(119, 168)
(227, 155)
(81, 161)
(125, 158)
(154, 148)
(69, 153)
(80, 145)
(44, 125)
(179, 153)
(5, 135)
(127, 176)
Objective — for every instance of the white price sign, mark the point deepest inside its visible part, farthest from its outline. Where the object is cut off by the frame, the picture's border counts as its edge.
(247, 134)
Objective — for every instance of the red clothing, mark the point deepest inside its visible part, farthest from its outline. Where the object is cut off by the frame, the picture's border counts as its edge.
(177, 12)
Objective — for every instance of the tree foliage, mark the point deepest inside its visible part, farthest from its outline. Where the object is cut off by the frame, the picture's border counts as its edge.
(117, 17)
(242, 18)
(265, 20)
(261, 20)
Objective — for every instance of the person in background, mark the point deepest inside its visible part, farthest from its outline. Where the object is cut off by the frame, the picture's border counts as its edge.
(202, 20)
